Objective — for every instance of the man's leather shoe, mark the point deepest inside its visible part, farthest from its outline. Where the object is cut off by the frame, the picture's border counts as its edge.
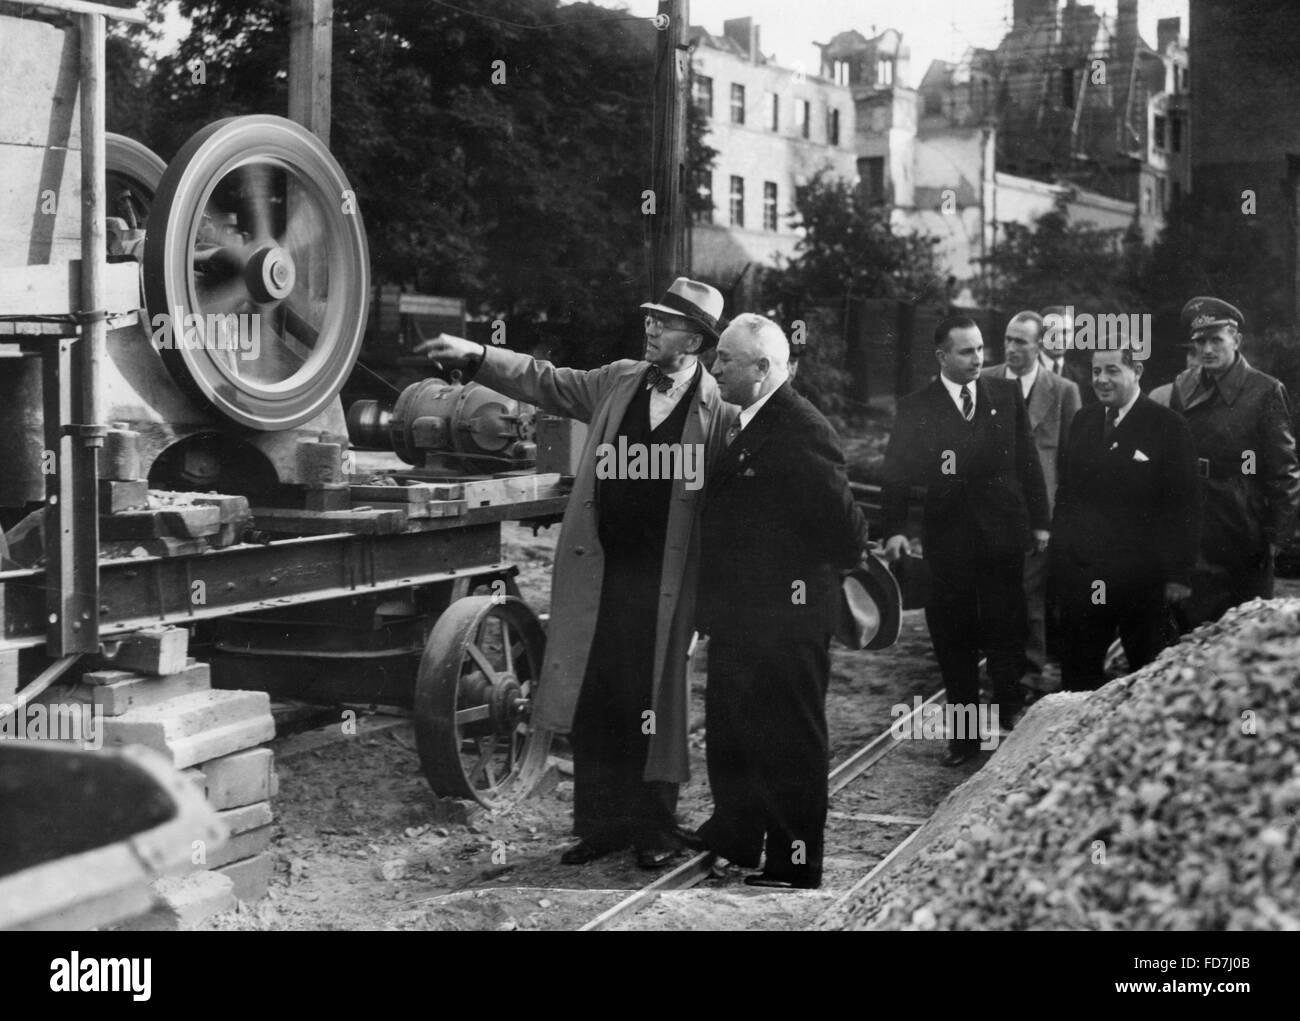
(960, 754)
(584, 851)
(656, 857)
(773, 883)
(689, 838)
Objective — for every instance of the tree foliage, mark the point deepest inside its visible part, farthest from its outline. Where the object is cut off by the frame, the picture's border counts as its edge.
(523, 195)
(1057, 262)
(849, 251)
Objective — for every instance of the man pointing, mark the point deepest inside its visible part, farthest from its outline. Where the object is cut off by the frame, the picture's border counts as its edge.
(623, 592)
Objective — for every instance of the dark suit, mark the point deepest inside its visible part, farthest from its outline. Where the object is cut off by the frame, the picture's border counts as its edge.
(1052, 404)
(779, 523)
(1126, 523)
(984, 492)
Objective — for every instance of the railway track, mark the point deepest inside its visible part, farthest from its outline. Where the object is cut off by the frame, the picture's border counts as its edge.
(699, 867)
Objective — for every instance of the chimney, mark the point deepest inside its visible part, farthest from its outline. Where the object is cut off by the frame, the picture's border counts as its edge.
(1168, 30)
(1033, 12)
(1126, 24)
(743, 32)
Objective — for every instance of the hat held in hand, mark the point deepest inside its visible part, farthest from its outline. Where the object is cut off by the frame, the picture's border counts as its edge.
(871, 607)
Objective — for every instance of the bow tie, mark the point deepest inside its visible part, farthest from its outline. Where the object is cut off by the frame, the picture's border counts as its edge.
(658, 379)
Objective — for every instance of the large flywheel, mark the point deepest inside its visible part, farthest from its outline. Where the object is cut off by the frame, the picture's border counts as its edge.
(256, 253)
(474, 694)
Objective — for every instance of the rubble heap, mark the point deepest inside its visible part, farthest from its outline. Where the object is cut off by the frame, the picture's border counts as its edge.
(1166, 800)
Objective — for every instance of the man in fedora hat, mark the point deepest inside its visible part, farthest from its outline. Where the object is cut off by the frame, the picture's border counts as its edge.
(1240, 420)
(779, 524)
(623, 592)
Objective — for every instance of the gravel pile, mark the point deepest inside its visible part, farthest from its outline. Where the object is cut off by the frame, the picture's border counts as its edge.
(1166, 800)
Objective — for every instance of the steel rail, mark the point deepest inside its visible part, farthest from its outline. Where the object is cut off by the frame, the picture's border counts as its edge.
(693, 871)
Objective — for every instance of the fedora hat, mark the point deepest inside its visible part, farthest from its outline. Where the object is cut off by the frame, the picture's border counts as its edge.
(692, 300)
(870, 607)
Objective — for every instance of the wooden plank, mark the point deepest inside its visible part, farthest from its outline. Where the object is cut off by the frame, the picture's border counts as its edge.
(9, 677)
(511, 489)
(154, 651)
(296, 522)
(310, 58)
(85, 7)
(428, 509)
(116, 496)
(55, 289)
(414, 493)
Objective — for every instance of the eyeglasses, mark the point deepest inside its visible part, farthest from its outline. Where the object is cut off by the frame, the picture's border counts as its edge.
(654, 325)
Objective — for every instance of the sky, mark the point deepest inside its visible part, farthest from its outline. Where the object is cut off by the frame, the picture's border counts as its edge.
(932, 29)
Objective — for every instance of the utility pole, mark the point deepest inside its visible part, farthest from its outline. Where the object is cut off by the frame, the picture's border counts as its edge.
(668, 155)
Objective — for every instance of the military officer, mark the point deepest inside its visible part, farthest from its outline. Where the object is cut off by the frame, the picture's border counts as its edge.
(1240, 421)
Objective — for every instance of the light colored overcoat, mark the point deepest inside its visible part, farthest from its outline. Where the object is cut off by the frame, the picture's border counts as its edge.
(1052, 405)
(600, 397)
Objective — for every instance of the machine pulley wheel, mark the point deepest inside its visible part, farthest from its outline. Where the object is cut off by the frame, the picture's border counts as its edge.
(133, 173)
(257, 255)
(473, 700)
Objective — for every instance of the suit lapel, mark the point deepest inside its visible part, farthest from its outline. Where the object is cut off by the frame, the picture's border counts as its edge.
(945, 406)
(753, 436)
(1040, 397)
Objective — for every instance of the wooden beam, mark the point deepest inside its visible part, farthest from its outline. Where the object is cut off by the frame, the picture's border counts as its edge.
(311, 24)
(55, 289)
(83, 7)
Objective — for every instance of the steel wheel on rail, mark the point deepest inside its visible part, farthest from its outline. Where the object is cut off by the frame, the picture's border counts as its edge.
(473, 700)
(255, 227)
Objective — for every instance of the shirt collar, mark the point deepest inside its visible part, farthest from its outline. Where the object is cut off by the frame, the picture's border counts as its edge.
(954, 389)
(1031, 377)
(747, 414)
(1119, 416)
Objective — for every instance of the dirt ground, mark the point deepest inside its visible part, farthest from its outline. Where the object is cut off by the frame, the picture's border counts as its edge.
(361, 842)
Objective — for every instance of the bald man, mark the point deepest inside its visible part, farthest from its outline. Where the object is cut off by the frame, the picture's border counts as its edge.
(779, 523)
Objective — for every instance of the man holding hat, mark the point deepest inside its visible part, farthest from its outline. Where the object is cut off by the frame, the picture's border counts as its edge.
(626, 567)
(779, 524)
(1240, 421)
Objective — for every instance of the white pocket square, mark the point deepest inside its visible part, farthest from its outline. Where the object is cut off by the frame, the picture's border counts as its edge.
(1139, 456)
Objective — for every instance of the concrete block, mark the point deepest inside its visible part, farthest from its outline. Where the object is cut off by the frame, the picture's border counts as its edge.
(243, 778)
(251, 877)
(247, 817)
(118, 691)
(193, 728)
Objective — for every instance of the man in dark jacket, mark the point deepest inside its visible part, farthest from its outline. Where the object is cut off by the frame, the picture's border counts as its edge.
(1240, 421)
(1124, 533)
(779, 522)
(967, 441)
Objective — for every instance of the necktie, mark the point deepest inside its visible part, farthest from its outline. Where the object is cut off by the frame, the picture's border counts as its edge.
(732, 433)
(658, 379)
(967, 403)
(1109, 426)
